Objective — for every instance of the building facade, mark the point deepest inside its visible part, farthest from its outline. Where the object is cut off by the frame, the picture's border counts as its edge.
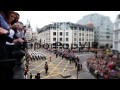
(116, 35)
(30, 35)
(103, 28)
(66, 33)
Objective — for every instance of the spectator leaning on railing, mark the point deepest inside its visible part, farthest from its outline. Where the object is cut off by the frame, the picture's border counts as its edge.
(5, 17)
(3, 38)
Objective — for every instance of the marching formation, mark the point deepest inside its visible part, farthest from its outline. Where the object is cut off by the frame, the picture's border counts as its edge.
(36, 55)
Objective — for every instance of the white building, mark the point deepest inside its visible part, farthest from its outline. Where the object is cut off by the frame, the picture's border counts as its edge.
(116, 34)
(34, 36)
(66, 33)
(30, 35)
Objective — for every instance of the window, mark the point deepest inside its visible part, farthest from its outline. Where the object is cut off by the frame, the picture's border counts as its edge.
(60, 39)
(107, 37)
(67, 34)
(83, 34)
(54, 33)
(116, 35)
(116, 25)
(91, 30)
(66, 39)
(60, 33)
(79, 43)
(116, 46)
(75, 28)
(108, 29)
(54, 39)
(82, 29)
(83, 39)
(107, 32)
(75, 33)
(79, 34)
(119, 25)
(74, 39)
(79, 39)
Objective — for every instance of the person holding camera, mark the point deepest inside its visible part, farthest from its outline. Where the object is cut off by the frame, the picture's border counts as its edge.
(10, 46)
(6, 64)
(5, 18)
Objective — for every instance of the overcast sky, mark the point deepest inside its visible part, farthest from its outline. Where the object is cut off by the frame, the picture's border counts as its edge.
(42, 18)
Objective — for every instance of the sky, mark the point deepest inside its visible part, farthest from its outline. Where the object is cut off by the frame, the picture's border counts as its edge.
(41, 18)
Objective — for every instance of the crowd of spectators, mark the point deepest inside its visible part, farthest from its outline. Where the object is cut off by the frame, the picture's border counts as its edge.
(104, 66)
(12, 44)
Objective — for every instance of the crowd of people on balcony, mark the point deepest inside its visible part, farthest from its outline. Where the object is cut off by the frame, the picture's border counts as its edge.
(12, 43)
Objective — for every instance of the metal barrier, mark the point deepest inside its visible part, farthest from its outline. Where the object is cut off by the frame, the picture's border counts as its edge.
(6, 68)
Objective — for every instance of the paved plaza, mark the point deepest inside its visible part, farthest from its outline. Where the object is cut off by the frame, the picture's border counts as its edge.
(56, 67)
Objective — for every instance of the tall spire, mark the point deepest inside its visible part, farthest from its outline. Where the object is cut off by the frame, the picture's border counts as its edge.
(29, 26)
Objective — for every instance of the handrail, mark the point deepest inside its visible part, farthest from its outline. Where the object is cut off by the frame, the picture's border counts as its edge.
(6, 60)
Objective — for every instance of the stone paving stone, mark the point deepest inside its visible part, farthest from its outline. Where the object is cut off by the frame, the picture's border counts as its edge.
(39, 68)
(34, 71)
(31, 67)
(69, 68)
(60, 66)
(60, 70)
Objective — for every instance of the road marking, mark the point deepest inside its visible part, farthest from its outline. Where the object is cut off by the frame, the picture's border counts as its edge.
(37, 66)
(54, 68)
(65, 66)
(48, 66)
(74, 77)
(50, 76)
(85, 66)
(71, 70)
(65, 63)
